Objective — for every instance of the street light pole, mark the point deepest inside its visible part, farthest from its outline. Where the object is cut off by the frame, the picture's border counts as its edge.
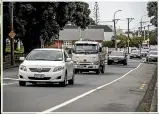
(114, 20)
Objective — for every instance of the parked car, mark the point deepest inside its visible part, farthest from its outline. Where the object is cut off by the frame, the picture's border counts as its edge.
(152, 56)
(46, 65)
(117, 57)
(135, 54)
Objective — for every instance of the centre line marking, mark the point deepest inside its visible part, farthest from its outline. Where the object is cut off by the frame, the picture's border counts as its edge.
(87, 93)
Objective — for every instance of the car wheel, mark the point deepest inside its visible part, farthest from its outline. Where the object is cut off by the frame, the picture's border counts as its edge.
(130, 57)
(22, 83)
(76, 71)
(103, 69)
(125, 62)
(98, 71)
(71, 82)
(109, 62)
(64, 83)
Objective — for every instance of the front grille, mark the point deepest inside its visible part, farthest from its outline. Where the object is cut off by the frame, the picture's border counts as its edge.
(45, 78)
(40, 70)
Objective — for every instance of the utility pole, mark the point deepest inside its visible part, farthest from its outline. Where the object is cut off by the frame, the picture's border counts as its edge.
(115, 21)
(144, 33)
(148, 36)
(128, 40)
(12, 33)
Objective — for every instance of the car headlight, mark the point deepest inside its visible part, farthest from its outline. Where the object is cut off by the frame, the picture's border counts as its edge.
(23, 68)
(96, 63)
(59, 68)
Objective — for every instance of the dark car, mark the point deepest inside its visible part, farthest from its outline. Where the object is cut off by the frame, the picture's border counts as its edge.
(117, 57)
(135, 54)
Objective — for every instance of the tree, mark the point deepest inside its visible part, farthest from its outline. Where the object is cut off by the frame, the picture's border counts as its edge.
(96, 13)
(152, 8)
(92, 22)
(34, 21)
(109, 44)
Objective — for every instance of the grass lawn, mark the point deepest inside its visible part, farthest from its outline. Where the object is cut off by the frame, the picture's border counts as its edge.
(15, 51)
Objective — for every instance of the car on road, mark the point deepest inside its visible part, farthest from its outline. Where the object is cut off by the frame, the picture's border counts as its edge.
(135, 54)
(144, 52)
(46, 65)
(117, 57)
(152, 56)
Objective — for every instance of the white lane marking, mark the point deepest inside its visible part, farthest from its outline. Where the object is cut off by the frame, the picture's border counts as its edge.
(9, 83)
(84, 94)
(10, 79)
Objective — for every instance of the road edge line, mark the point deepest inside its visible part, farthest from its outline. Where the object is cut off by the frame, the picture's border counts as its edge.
(86, 93)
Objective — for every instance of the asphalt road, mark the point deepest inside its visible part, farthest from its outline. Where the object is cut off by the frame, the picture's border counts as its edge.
(120, 89)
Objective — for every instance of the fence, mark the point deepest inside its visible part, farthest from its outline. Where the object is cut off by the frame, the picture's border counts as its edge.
(7, 59)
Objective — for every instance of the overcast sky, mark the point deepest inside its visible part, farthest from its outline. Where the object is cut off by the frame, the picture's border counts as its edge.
(129, 10)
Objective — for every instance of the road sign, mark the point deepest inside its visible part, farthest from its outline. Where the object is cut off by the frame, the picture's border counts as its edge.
(12, 34)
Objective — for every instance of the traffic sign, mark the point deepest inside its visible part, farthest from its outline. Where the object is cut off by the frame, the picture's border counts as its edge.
(12, 34)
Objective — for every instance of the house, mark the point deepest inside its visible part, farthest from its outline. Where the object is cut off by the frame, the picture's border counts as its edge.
(70, 34)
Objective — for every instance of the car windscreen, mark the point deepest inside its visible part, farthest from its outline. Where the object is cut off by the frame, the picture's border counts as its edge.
(116, 53)
(153, 52)
(86, 48)
(45, 55)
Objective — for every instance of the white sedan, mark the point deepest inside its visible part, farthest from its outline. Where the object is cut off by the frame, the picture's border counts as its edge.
(46, 65)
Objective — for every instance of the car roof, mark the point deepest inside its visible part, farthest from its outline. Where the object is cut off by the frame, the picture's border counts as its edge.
(49, 49)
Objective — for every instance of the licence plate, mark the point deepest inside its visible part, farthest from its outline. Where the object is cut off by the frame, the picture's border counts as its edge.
(115, 60)
(134, 55)
(39, 75)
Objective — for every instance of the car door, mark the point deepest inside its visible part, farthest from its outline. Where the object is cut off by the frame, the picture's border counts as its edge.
(68, 65)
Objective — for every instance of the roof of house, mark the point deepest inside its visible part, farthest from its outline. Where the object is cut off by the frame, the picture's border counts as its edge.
(74, 34)
(105, 27)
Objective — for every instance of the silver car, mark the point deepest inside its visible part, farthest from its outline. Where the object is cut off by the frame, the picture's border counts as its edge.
(135, 54)
(117, 57)
(152, 56)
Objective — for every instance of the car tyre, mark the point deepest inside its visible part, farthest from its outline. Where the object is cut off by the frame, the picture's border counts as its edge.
(125, 62)
(64, 83)
(22, 83)
(109, 62)
(71, 82)
(98, 71)
(76, 71)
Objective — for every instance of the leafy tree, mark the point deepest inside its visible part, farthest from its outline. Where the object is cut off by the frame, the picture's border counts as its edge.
(152, 8)
(43, 20)
(109, 44)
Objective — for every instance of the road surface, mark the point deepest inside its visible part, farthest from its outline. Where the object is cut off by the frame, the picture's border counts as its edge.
(120, 89)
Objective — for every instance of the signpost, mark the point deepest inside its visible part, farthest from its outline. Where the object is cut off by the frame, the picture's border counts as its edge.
(12, 35)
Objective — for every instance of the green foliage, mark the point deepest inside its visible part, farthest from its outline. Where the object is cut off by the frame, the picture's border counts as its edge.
(43, 20)
(109, 44)
(152, 8)
(153, 38)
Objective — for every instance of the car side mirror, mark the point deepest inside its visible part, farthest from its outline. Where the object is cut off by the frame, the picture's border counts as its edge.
(22, 58)
(68, 59)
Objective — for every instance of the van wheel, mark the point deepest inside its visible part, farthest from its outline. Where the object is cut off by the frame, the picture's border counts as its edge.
(103, 69)
(22, 83)
(125, 62)
(109, 62)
